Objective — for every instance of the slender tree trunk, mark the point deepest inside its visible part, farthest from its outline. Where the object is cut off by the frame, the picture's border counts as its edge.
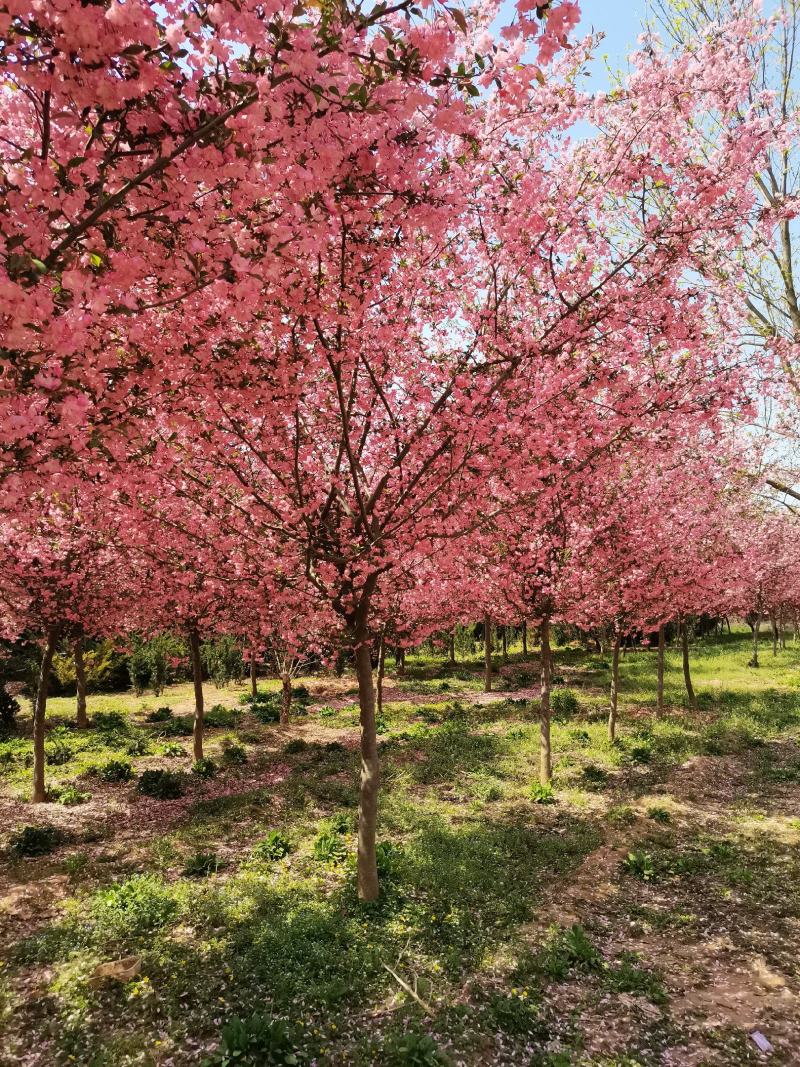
(756, 628)
(197, 678)
(286, 698)
(370, 778)
(505, 644)
(400, 662)
(487, 653)
(687, 676)
(774, 624)
(612, 715)
(545, 747)
(452, 648)
(661, 643)
(381, 671)
(39, 713)
(80, 683)
(524, 639)
(253, 674)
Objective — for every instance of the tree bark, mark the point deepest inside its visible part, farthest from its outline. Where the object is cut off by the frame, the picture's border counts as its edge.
(286, 698)
(452, 644)
(612, 714)
(370, 778)
(505, 644)
(687, 676)
(487, 653)
(381, 671)
(400, 662)
(756, 628)
(197, 678)
(80, 683)
(661, 643)
(39, 713)
(524, 639)
(545, 747)
(253, 673)
(774, 624)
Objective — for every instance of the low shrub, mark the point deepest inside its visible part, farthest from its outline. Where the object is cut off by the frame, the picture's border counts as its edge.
(57, 752)
(139, 746)
(569, 951)
(163, 714)
(116, 770)
(232, 752)
(542, 794)
(413, 1049)
(258, 1041)
(329, 848)
(160, 784)
(179, 726)
(220, 716)
(201, 865)
(70, 796)
(132, 908)
(563, 702)
(35, 840)
(204, 768)
(172, 749)
(273, 846)
(639, 865)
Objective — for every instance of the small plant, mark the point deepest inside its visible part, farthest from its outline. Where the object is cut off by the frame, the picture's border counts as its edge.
(163, 714)
(542, 794)
(110, 721)
(339, 823)
(57, 752)
(160, 784)
(70, 796)
(564, 702)
(297, 744)
(9, 709)
(381, 725)
(639, 865)
(388, 856)
(172, 750)
(221, 716)
(132, 908)
(569, 950)
(116, 770)
(516, 1014)
(35, 840)
(642, 753)
(326, 712)
(413, 1050)
(204, 768)
(594, 775)
(258, 1041)
(272, 847)
(621, 815)
(179, 726)
(301, 694)
(268, 711)
(139, 746)
(580, 738)
(329, 848)
(659, 814)
(201, 865)
(232, 752)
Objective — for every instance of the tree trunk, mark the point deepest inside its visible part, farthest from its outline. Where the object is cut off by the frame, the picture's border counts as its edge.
(524, 639)
(452, 644)
(687, 677)
(381, 671)
(487, 654)
(545, 748)
(612, 715)
(400, 662)
(39, 712)
(505, 644)
(756, 628)
(197, 678)
(774, 624)
(80, 683)
(370, 778)
(286, 698)
(660, 704)
(253, 674)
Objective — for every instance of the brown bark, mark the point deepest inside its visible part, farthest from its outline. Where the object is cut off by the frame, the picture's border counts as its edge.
(505, 644)
(400, 662)
(381, 672)
(286, 698)
(197, 678)
(487, 654)
(660, 704)
(545, 747)
(80, 683)
(370, 778)
(687, 676)
(452, 648)
(524, 639)
(39, 713)
(756, 627)
(612, 714)
(253, 674)
(774, 624)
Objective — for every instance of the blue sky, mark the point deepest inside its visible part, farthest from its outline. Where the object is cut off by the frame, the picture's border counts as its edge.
(621, 21)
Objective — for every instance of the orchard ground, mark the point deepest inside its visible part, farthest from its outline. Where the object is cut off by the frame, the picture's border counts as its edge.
(648, 912)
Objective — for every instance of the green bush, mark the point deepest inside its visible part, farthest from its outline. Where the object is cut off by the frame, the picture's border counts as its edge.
(163, 714)
(35, 840)
(542, 794)
(220, 716)
(569, 951)
(659, 814)
(179, 726)
(160, 784)
(563, 702)
(204, 768)
(172, 750)
(151, 662)
(116, 770)
(517, 1015)
(258, 1041)
(642, 753)
(222, 658)
(639, 865)
(413, 1050)
(594, 775)
(297, 744)
(9, 709)
(70, 796)
(329, 848)
(273, 846)
(232, 752)
(138, 746)
(201, 865)
(132, 908)
(57, 752)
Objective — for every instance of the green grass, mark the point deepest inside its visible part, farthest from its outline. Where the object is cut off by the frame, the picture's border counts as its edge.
(238, 900)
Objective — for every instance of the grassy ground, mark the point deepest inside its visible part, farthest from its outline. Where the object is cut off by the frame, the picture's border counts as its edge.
(647, 913)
